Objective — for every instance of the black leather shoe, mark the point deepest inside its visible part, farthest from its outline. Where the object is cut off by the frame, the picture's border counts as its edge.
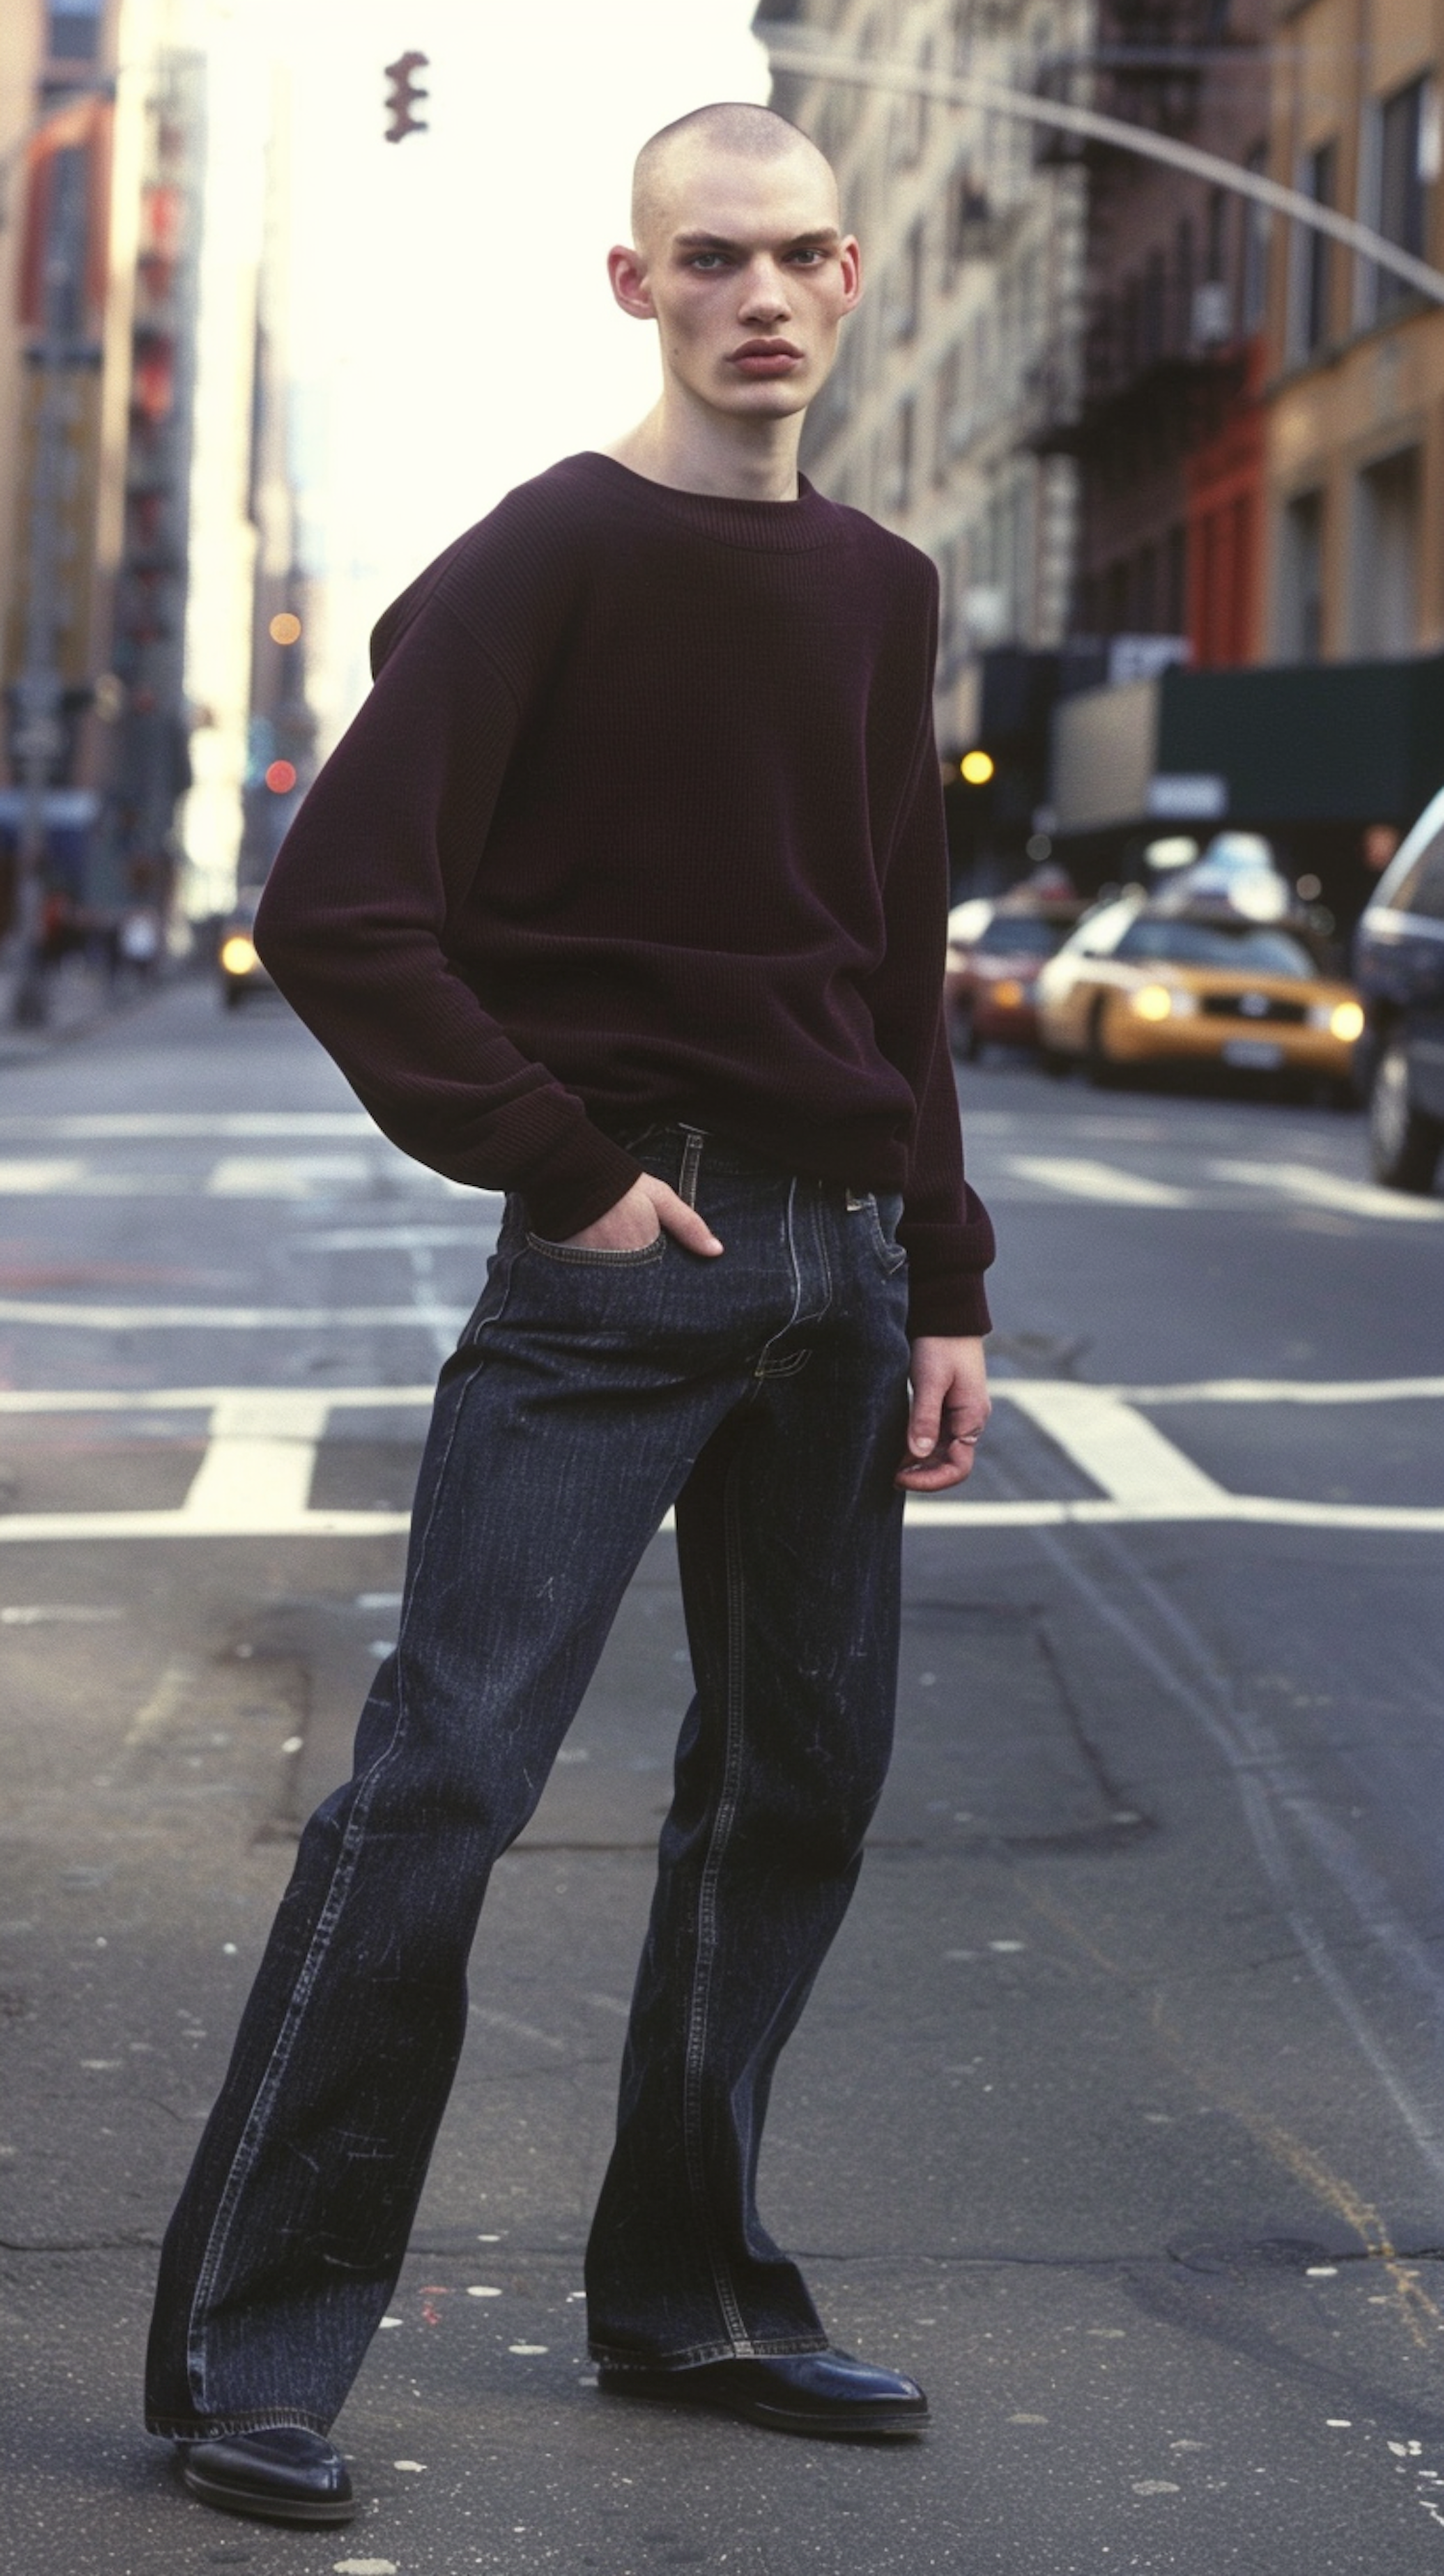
(283, 2474)
(822, 2393)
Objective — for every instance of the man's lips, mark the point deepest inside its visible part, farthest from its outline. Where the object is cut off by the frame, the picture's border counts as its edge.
(766, 357)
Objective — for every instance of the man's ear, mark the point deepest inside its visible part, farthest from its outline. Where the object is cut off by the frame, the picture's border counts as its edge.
(627, 270)
(852, 273)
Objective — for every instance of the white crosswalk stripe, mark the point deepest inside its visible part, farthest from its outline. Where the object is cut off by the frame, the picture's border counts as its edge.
(1304, 1182)
(34, 1178)
(277, 1176)
(1078, 1177)
(254, 1480)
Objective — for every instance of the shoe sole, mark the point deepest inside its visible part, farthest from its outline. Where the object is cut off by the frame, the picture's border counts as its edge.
(863, 2423)
(298, 2510)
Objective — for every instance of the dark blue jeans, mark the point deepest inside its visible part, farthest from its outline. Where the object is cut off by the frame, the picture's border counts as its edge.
(763, 1392)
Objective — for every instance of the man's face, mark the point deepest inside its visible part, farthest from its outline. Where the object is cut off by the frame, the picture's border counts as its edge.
(748, 277)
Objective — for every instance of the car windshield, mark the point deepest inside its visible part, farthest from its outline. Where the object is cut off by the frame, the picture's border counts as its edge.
(1246, 950)
(1021, 934)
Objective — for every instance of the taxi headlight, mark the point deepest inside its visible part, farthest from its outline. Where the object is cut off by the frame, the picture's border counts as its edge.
(1346, 1022)
(238, 955)
(1152, 1002)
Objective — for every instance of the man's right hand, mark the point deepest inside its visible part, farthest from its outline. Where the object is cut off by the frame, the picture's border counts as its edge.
(649, 1209)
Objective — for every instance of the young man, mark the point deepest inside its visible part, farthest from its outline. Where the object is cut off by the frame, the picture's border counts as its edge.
(624, 893)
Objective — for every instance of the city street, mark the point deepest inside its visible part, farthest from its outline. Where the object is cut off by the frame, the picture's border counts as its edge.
(1118, 2115)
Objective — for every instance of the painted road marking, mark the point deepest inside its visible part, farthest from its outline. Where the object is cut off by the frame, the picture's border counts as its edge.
(1303, 1181)
(230, 1319)
(259, 1459)
(201, 1399)
(1287, 1390)
(1134, 1463)
(289, 1176)
(255, 1477)
(31, 1179)
(172, 1123)
(248, 1176)
(1082, 1179)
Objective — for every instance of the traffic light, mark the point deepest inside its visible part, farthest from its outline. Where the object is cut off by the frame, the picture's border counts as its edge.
(403, 96)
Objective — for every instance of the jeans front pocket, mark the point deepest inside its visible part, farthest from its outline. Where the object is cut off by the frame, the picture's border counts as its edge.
(884, 1215)
(594, 1256)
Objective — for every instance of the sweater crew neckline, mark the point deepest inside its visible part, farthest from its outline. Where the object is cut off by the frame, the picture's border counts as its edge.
(781, 527)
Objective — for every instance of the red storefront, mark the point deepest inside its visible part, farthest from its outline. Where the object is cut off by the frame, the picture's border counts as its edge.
(1224, 481)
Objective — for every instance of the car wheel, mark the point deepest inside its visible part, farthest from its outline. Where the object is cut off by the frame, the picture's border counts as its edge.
(1404, 1143)
(1098, 1063)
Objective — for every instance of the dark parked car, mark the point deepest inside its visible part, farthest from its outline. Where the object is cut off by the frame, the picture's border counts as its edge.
(1399, 968)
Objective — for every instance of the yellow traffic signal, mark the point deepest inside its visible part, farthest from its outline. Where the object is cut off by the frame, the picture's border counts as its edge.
(977, 767)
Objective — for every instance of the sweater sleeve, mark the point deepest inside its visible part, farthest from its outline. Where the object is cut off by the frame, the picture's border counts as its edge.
(946, 1230)
(353, 923)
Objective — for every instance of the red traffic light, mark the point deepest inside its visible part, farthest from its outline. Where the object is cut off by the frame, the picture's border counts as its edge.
(281, 777)
(403, 96)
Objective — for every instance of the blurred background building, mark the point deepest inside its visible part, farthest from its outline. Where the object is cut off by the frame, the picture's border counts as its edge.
(1180, 463)
(143, 472)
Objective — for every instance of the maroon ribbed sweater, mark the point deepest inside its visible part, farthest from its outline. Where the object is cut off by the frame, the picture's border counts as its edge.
(642, 819)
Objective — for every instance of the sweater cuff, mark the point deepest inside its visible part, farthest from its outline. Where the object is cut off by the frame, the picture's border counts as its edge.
(582, 1176)
(956, 1306)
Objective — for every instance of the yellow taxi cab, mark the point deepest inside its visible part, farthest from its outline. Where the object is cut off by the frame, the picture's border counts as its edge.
(1142, 984)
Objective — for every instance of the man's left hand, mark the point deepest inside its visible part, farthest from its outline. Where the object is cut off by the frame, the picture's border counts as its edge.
(950, 1410)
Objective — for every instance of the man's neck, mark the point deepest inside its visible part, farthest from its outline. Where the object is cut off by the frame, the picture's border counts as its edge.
(697, 451)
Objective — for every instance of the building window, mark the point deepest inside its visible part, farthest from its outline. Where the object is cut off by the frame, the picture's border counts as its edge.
(73, 31)
(947, 389)
(905, 302)
(1406, 160)
(1301, 579)
(1154, 314)
(1254, 265)
(898, 480)
(1386, 556)
(1313, 267)
(1175, 569)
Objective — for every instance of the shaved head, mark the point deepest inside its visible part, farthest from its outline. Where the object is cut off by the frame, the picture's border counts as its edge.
(733, 127)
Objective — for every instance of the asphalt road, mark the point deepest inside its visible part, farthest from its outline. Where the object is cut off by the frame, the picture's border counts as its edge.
(1119, 2112)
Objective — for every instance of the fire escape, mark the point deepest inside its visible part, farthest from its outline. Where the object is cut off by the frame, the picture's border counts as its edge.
(1158, 329)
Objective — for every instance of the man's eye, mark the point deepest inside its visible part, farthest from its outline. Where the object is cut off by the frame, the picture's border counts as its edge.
(705, 259)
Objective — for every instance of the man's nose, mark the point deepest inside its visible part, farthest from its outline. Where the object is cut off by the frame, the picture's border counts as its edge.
(765, 297)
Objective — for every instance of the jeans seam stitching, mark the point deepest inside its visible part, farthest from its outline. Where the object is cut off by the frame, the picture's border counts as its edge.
(707, 1931)
(687, 1178)
(761, 1368)
(243, 2162)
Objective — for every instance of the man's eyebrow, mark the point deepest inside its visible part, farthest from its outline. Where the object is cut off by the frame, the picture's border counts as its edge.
(825, 234)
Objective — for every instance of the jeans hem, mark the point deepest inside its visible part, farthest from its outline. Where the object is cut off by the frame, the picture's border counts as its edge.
(770, 2348)
(218, 2428)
